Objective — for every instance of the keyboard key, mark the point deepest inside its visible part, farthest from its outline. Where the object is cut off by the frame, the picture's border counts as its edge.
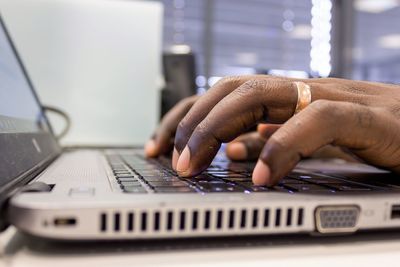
(175, 190)
(308, 188)
(161, 179)
(228, 174)
(216, 181)
(326, 180)
(204, 178)
(253, 188)
(280, 188)
(293, 181)
(256, 188)
(124, 180)
(152, 173)
(125, 175)
(221, 188)
(349, 187)
(135, 183)
(134, 189)
(168, 184)
(122, 171)
(238, 180)
(214, 169)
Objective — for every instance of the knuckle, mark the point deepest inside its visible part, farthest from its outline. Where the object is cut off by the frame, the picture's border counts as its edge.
(321, 105)
(182, 125)
(281, 138)
(327, 110)
(364, 117)
(253, 87)
(186, 102)
(230, 80)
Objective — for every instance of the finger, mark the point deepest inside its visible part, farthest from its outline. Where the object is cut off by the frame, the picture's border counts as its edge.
(162, 140)
(246, 147)
(337, 152)
(251, 103)
(329, 151)
(354, 126)
(266, 130)
(208, 101)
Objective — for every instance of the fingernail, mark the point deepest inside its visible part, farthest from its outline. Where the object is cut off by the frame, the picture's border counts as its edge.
(236, 151)
(175, 156)
(183, 161)
(261, 173)
(150, 148)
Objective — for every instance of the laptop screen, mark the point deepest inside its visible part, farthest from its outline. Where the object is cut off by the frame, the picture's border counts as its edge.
(25, 137)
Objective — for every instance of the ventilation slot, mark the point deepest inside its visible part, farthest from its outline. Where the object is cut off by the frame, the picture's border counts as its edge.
(219, 219)
(182, 221)
(103, 222)
(143, 224)
(255, 218)
(243, 217)
(300, 217)
(195, 217)
(130, 222)
(170, 220)
(157, 221)
(266, 217)
(231, 219)
(278, 217)
(117, 221)
(289, 217)
(207, 216)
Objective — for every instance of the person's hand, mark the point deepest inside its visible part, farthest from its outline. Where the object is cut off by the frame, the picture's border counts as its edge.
(162, 140)
(361, 116)
(246, 147)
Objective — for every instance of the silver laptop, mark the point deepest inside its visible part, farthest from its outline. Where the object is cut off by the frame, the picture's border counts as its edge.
(91, 194)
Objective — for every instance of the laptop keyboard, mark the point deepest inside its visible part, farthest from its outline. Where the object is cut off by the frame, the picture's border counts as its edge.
(136, 174)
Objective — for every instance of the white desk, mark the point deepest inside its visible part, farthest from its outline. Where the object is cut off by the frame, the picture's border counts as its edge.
(359, 250)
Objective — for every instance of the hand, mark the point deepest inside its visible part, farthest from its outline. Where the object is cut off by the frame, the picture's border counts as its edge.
(162, 140)
(361, 116)
(245, 147)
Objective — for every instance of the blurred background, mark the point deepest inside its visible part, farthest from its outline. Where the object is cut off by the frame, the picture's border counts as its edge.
(117, 66)
(357, 39)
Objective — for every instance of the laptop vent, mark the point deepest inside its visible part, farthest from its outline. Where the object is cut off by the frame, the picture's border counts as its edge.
(200, 220)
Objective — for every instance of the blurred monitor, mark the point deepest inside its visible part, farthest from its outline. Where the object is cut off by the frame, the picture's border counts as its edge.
(180, 78)
(95, 60)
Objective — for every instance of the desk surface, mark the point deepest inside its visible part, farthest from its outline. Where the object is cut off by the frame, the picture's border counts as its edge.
(372, 249)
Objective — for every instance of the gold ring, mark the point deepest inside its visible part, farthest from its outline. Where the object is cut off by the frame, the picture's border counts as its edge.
(303, 96)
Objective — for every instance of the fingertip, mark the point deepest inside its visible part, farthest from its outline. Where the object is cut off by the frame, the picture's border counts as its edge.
(175, 157)
(261, 128)
(150, 148)
(236, 151)
(267, 130)
(183, 164)
(261, 174)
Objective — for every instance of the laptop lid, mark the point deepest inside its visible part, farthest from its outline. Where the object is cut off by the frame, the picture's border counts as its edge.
(26, 139)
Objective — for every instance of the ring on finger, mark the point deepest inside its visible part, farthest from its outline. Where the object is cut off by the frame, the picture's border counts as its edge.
(303, 96)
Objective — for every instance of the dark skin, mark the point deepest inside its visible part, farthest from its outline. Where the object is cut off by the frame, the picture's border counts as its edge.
(363, 118)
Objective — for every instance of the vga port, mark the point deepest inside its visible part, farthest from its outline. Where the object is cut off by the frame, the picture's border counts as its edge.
(337, 219)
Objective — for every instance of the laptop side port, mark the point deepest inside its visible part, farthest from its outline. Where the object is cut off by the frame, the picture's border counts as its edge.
(64, 222)
(337, 219)
(395, 213)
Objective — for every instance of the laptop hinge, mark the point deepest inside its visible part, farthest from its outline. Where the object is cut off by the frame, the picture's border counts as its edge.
(35, 187)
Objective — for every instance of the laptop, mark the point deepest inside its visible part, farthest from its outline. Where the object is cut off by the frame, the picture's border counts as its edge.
(103, 194)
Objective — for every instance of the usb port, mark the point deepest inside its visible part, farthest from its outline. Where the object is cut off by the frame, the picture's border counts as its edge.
(395, 212)
(64, 221)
